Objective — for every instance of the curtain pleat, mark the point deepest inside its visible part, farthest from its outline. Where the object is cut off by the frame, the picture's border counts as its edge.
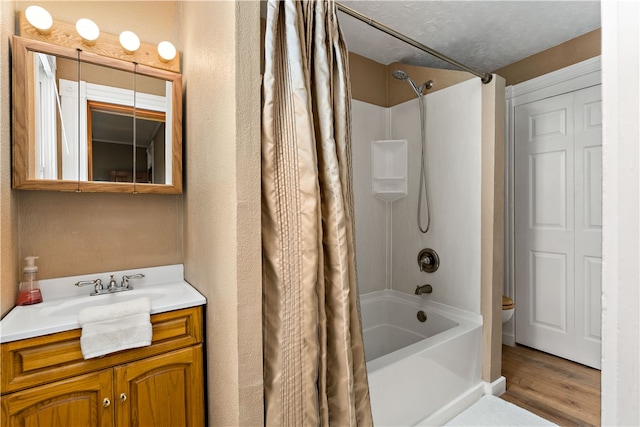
(314, 364)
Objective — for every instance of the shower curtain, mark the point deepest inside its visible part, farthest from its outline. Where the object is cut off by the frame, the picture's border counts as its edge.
(314, 364)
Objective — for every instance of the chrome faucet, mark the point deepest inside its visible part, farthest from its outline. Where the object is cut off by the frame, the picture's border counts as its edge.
(424, 289)
(125, 281)
(113, 284)
(97, 283)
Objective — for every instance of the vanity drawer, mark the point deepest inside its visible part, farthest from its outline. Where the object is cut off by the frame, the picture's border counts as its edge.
(35, 361)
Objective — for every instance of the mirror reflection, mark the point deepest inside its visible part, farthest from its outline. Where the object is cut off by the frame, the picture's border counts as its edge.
(113, 155)
(96, 123)
(53, 132)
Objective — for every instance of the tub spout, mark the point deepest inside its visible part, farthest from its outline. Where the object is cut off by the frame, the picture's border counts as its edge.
(423, 289)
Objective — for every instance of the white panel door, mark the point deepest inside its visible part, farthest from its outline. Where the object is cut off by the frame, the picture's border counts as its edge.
(558, 168)
(588, 225)
(544, 224)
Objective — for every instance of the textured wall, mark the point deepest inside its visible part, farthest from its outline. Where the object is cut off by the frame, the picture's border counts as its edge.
(368, 80)
(8, 203)
(222, 200)
(620, 213)
(568, 53)
(373, 83)
(81, 233)
(492, 240)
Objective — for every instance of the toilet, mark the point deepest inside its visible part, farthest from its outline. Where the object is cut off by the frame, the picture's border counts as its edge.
(508, 307)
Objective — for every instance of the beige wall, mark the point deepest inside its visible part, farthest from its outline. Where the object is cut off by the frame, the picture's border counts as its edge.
(8, 202)
(560, 56)
(373, 83)
(80, 233)
(83, 233)
(368, 80)
(492, 219)
(222, 199)
(218, 217)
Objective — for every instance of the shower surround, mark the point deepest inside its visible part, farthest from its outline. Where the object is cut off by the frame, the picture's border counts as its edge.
(387, 235)
(464, 166)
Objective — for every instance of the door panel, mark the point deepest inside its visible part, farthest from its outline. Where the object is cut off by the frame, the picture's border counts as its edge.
(77, 401)
(165, 390)
(544, 224)
(588, 240)
(558, 224)
(548, 188)
(548, 291)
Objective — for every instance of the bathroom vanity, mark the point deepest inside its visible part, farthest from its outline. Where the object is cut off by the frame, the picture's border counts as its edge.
(46, 380)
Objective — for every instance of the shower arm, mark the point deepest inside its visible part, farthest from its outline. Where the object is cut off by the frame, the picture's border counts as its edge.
(485, 77)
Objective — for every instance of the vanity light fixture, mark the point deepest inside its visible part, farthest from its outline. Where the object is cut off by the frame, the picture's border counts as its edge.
(39, 18)
(129, 41)
(36, 23)
(166, 51)
(88, 30)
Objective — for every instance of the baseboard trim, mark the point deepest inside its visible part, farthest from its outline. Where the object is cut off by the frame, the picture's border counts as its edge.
(443, 415)
(509, 339)
(496, 388)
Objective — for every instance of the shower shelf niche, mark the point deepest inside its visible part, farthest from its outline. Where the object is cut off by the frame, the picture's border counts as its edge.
(389, 169)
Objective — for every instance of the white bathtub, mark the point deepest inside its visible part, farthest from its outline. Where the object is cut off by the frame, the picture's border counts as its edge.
(420, 373)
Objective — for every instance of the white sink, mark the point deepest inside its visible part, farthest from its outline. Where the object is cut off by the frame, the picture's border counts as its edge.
(73, 307)
(63, 301)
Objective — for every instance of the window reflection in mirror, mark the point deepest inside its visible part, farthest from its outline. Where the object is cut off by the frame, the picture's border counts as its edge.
(55, 126)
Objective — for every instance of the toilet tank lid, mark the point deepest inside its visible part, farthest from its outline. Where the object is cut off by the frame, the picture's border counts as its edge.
(507, 303)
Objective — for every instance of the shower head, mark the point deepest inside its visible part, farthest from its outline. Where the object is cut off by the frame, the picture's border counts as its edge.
(401, 75)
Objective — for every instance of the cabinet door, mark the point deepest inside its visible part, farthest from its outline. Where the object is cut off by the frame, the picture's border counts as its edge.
(165, 390)
(79, 401)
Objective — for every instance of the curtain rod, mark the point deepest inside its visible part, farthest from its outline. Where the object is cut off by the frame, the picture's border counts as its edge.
(485, 77)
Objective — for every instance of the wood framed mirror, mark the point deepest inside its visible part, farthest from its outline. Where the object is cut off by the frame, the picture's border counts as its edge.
(86, 122)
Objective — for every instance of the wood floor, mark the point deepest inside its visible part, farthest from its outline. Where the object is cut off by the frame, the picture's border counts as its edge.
(561, 391)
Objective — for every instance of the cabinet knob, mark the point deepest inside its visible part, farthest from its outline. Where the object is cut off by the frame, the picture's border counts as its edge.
(106, 402)
(123, 397)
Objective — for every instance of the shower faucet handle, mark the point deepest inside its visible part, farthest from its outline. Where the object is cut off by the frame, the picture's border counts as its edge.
(428, 260)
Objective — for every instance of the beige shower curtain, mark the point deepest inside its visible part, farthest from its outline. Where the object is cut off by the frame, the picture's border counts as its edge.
(314, 365)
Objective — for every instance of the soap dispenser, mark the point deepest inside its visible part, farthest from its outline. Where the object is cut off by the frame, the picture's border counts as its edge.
(29, 287)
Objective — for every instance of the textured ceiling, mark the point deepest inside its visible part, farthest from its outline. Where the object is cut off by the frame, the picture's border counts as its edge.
(484, 35)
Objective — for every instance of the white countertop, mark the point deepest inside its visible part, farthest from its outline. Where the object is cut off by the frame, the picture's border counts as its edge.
(62, 300)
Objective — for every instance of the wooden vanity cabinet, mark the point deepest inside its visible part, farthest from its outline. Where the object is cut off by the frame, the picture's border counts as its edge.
(166, 389)
(73, 402)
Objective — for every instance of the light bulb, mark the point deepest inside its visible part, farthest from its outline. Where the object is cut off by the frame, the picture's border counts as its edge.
(39, 18)
(88, 30)
(167, 51)
(129, 41)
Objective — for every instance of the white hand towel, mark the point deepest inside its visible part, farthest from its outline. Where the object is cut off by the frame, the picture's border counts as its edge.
(115, 327)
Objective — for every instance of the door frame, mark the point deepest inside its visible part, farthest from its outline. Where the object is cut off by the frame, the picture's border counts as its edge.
(569, 79)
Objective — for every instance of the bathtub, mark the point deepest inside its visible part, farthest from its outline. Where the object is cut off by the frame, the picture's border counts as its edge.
(420, 373)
